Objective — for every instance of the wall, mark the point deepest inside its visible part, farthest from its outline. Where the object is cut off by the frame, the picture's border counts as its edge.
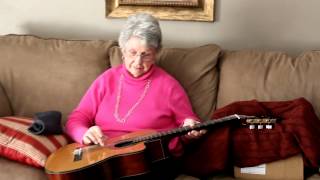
(286, 25)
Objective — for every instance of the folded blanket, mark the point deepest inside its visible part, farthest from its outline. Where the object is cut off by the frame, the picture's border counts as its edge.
(229, 144)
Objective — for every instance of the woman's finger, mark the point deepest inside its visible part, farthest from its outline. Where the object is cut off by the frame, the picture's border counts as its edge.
(203, 131)
(195, 133)
(99, 138)
(98, 135)
(86, 140)
(92, 137)
(189, 122)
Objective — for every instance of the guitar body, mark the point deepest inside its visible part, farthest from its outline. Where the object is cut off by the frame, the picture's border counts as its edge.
(112, 161)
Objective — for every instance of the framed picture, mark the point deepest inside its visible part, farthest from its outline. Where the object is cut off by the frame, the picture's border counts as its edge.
(170, 3)
(184, 10)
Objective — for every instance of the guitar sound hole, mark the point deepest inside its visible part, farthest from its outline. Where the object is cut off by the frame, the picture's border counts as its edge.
(124, 143)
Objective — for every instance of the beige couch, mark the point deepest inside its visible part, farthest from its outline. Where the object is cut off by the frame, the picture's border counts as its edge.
(39, 74)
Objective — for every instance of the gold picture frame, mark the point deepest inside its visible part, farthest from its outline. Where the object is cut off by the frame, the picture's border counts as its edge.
(203, 12)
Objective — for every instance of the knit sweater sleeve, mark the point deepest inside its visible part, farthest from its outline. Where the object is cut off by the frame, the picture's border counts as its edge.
(82, 117)
(180, 105)
(181, 108)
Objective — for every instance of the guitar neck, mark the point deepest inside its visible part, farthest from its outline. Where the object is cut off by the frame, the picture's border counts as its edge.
(186, 129)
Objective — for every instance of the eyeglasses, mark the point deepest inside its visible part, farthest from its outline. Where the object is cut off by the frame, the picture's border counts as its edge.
(144, 56)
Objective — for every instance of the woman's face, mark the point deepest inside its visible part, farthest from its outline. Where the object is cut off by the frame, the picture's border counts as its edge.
(138, 58)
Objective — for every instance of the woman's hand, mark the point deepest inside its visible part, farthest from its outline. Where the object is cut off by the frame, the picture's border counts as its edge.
(194, 134)
(93, 135)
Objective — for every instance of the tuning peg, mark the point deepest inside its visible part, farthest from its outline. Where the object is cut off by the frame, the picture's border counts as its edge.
(269, 126)
(260, 126)
(251, 126)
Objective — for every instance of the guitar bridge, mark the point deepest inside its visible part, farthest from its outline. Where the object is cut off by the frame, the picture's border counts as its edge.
(77, 154)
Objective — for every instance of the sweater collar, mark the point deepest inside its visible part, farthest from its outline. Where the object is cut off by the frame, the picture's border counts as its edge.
(130, 78)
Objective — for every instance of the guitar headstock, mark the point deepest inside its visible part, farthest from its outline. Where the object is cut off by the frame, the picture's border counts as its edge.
(260, 122)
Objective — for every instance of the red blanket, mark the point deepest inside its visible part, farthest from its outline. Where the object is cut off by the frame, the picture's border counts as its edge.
(227, 145)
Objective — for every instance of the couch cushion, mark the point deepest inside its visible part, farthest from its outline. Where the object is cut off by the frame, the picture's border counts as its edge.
(269, 76)
(5, 109)
(16, 171)
(49, 74)
(194, 68)
(18, 144)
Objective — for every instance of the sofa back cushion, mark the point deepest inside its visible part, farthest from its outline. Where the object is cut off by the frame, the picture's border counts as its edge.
(49, 74)
(5, 109)
(269, 76)
(194, 68)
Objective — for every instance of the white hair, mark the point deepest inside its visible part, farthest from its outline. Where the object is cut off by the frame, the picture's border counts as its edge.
(144, 26)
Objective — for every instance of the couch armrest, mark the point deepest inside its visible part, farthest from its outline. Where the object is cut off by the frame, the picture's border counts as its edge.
(5, 109)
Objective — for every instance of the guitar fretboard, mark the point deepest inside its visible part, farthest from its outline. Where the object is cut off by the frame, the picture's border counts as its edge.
(186, 129)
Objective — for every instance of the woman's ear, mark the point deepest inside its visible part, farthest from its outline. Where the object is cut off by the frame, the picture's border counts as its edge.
(122, 54)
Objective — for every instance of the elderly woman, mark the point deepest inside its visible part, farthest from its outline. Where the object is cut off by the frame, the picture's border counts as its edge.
(134, 96)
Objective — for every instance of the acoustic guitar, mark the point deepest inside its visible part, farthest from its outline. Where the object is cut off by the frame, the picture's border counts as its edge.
(126, 156)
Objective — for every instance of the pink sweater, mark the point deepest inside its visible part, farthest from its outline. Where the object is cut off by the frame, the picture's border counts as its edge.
(165, 105)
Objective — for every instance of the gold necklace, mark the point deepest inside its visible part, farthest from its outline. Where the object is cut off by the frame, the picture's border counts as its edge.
(116, 111)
